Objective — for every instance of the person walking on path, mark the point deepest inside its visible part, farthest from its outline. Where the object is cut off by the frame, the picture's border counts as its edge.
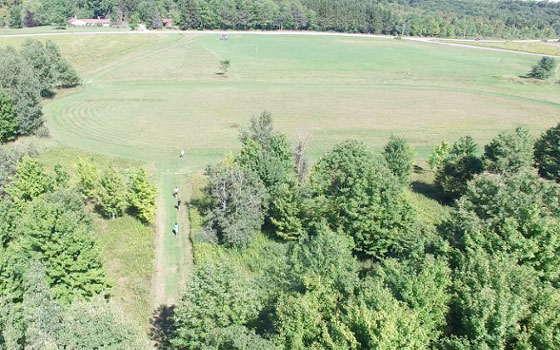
(175, 191)
(182, 153)
(178, 204)
(176, 229)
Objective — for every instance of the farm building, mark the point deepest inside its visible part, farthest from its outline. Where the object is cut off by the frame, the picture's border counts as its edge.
(89, 22)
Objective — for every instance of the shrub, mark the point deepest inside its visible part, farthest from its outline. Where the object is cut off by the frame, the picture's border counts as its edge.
(543, 69)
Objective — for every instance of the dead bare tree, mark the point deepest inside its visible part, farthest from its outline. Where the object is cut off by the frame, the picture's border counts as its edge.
(299, 155)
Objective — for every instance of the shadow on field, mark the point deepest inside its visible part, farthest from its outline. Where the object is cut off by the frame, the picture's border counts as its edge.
(428, 190)
(162, 327)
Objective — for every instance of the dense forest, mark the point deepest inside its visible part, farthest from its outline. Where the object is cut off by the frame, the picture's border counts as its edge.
(461, 18)
(336, 256)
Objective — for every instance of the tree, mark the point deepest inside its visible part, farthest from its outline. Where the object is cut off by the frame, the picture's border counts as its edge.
(509, 152)
(438, 155)
(111, 194)
(88, 179)
(96, 324)
(543, 69)
(42, 64)
(59, 234)
(458, 168)
(30, 181)
(8, 118)
(359, 196)
(218, 295)
(28, 19)
(15, 17)
(238, 202)
(514, 214)
(65, 75)
(268, 154)
(156, 18)
(142, 196)
(19, 82)
(490, 301)
(547, 154)
(399, 155)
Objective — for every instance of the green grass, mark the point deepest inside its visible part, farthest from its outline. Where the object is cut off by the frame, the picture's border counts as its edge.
(53, 29)
(156, 97)
(544, 48)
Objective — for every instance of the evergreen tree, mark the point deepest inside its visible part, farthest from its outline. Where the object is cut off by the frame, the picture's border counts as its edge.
(399, 155)
(458, 168)
(547, 154)
(88, 179)
(8, 118)
(509, 152)
(142, 196)
(111, 194)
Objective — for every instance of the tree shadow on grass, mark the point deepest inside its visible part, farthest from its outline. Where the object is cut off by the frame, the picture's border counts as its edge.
(427, 188)
(162, 327)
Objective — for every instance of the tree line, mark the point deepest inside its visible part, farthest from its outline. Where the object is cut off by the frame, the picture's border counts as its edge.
(504, 18)
(54, 291)
(336, 256)
(26, 76)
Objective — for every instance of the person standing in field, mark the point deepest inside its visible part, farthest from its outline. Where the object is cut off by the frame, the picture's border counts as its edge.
(176, 229)
(175, 191)
(182, 153)
(178, 204)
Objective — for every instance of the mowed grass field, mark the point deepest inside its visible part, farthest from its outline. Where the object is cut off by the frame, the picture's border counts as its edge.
(544, 48)
(148, 96)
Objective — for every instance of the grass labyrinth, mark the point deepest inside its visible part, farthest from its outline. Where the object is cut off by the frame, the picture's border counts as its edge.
(156, 98)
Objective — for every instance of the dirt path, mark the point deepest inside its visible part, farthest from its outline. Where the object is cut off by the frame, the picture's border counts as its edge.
(173, 255)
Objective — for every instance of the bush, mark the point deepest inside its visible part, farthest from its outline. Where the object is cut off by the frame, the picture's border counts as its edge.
(543, 69)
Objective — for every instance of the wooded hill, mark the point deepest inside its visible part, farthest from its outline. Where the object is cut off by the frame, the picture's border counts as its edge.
(461, 18)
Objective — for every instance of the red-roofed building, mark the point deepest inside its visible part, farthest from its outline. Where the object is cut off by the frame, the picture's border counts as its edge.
(89, 22)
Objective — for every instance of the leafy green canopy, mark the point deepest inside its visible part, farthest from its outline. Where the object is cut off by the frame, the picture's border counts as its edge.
(237, 204)
(268, 154)
(8, 118)
(399, 155)
(360, 197)
(515, 214)
(509, 151)
(458, 168)
(547, 154)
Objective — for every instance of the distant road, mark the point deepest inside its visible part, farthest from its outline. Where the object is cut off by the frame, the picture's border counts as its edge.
(305, 33)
